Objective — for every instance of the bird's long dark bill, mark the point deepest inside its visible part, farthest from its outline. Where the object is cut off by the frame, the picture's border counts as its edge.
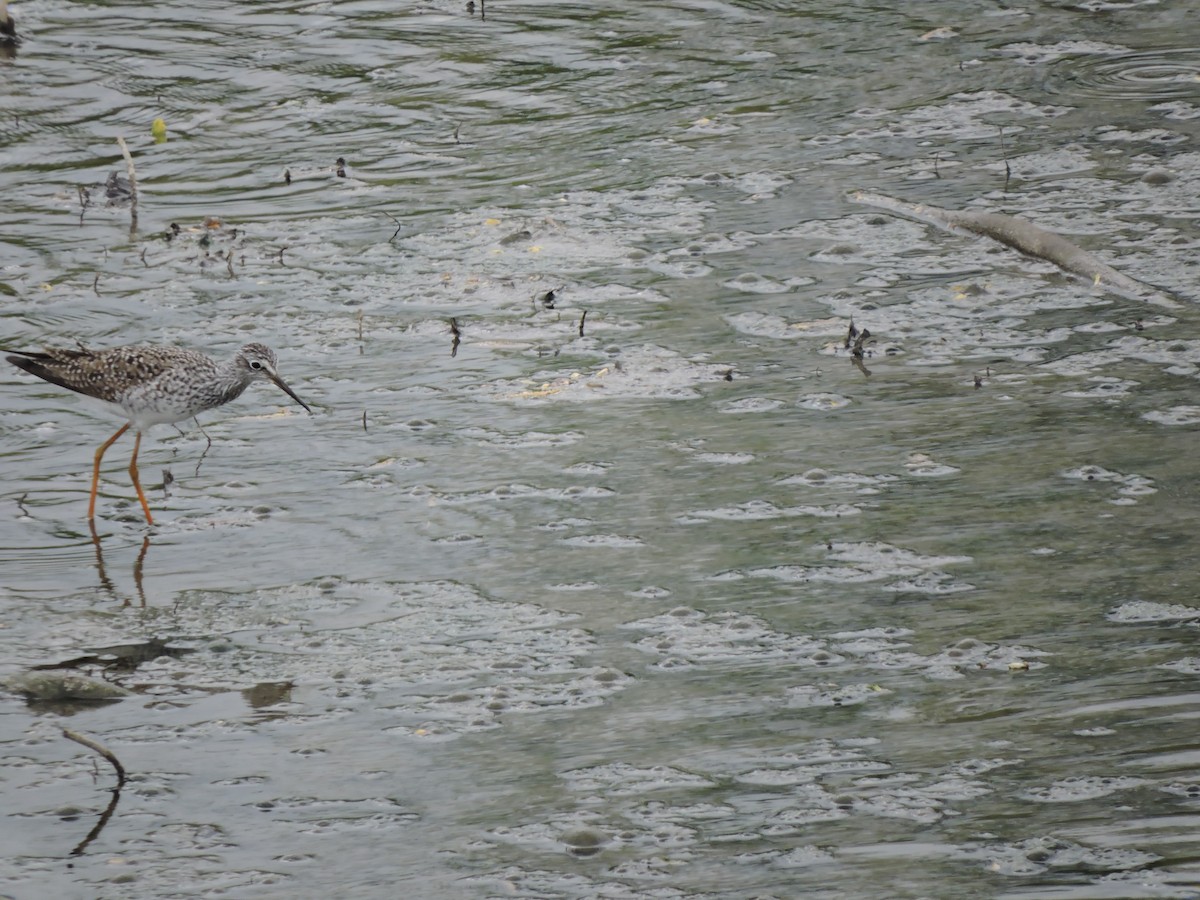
(282, 385)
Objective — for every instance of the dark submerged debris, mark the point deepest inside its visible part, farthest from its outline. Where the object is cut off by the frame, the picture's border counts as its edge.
(85, 200)
(341, 167)
(856, 341)
(547, 299)
(287, 176)
(8, 27)
(516, 237)
(120, 657)
(582, 319)
(456, 338)
(116, 189)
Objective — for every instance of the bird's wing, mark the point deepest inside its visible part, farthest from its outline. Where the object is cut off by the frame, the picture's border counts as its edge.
(106, 374)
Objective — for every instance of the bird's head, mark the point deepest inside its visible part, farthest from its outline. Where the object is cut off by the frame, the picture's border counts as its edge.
(259, 363)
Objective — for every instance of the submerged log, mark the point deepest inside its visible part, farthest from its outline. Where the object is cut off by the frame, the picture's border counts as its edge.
(1027, 238)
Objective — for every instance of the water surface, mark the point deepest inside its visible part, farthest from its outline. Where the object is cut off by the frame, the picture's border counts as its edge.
(676, 599)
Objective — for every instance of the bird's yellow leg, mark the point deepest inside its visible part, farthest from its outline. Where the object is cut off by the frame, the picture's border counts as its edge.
(96, 468)
(133, 473)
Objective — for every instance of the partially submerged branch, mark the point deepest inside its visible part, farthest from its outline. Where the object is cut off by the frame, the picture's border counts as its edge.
(1027, 238)
(98, 747)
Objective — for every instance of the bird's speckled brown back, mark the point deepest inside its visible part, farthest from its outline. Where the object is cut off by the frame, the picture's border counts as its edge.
(107, 374)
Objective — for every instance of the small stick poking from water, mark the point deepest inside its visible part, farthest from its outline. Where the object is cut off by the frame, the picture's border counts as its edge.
(207, 447)
(85, 200)
(133, 192)
(1004, 152)
(398, 225)
(457, 338)
(229, 264)
(364, 420)
(98, 747)
(582, 319)
(21, 505)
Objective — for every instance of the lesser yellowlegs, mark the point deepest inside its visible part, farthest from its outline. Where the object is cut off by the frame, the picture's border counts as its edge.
(151, 385)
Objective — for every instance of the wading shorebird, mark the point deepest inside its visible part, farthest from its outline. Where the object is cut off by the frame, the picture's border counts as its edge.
(151, 384)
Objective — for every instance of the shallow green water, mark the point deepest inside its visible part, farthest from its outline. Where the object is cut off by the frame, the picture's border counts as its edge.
(674, 601)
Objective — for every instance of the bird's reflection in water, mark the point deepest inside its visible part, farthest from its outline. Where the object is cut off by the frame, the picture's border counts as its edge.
(139, 568)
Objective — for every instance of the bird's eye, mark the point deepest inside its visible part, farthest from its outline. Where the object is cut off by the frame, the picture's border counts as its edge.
(255, 364)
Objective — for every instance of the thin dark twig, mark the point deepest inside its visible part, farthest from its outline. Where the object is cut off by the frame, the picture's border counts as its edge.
(582, 319)
(398, 225)
(207, 447)
(1004, 151)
